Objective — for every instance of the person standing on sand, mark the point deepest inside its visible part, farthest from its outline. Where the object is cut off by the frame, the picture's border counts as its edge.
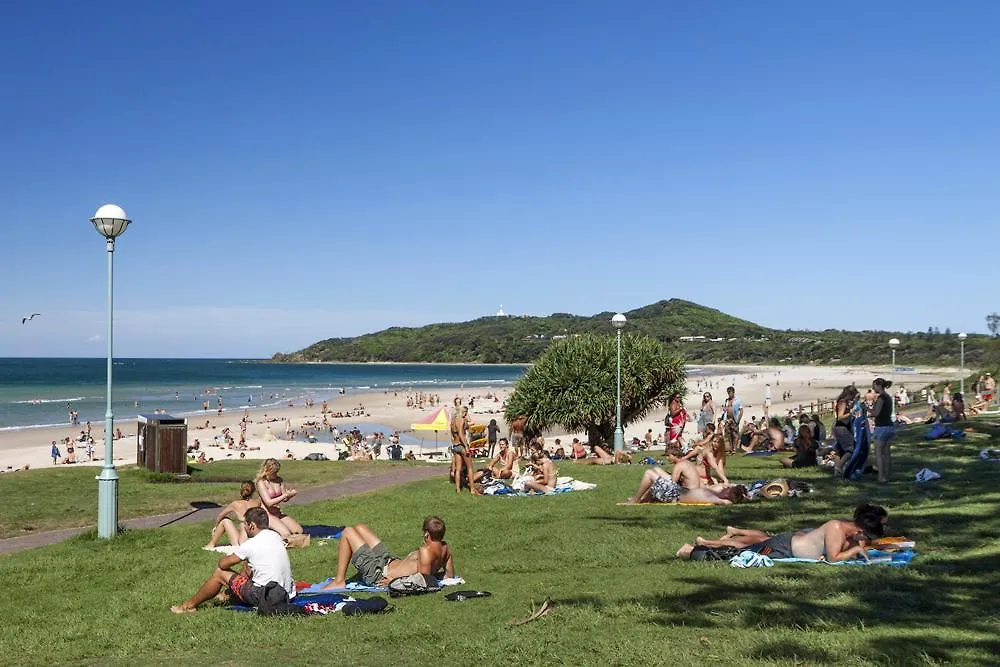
(491, 436)
(54, 453)
(767, 400)
(732, 414)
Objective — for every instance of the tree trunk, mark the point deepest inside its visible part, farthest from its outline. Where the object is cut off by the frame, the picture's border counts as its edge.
(599, 434)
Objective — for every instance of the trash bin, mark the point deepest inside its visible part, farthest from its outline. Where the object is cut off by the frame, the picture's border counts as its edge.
(161, 445)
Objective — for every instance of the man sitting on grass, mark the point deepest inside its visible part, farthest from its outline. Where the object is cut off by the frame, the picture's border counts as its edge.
(266, 561)
(501, 466)
(543, 477)
(377, 566)
(834, 541)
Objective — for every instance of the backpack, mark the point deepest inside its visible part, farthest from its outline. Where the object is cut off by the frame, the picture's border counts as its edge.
(274, 601)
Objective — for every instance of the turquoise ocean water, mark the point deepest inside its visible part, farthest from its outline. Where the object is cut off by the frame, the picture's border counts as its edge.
(41, 392)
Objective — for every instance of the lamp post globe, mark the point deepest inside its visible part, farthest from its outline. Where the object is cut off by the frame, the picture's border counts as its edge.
(618, 322)
(110, 221)
(961, 341)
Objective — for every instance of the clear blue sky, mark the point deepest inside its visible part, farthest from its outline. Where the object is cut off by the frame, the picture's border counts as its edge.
(303, 170)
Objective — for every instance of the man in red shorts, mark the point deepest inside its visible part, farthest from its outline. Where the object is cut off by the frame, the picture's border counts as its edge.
(266, 561)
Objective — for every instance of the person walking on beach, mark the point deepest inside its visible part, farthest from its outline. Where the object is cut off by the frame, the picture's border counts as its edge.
(885, 430)
(491, 436)
(732, 413)
(54, 453)
(767, 400)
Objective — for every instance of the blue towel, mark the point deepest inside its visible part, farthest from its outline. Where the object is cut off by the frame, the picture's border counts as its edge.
(321, 532)
(300, 600)
(891, 558)
(352, 587)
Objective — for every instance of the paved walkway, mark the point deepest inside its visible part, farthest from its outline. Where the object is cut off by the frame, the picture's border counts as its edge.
(348, 487)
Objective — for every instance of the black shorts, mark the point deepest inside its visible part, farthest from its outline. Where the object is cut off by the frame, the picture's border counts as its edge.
(779, 546)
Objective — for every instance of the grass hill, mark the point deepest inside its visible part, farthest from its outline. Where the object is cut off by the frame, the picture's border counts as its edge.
(699, 334)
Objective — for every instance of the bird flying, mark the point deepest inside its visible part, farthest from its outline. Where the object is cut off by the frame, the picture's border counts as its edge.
(29, 317)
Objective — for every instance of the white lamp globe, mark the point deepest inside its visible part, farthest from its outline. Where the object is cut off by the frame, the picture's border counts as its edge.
(893, 343)
(110, 221)
(618, 321)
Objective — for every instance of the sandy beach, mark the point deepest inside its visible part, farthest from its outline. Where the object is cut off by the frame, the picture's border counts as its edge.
(389, 411)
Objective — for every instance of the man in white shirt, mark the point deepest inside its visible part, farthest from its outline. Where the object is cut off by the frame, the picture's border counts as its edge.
(266, 561)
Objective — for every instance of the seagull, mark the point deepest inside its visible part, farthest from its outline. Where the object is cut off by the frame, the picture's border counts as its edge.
(29, 317)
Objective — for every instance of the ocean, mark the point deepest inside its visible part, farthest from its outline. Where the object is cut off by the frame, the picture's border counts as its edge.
(40, 392)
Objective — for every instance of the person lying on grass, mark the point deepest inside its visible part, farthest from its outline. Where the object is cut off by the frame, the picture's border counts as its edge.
(602, 457)
(266, 561)
(834, 541)
(236, 509)
(377, 566)
(684, 485)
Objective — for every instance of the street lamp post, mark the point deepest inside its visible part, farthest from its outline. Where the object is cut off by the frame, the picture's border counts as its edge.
(893, 343)
(110, 222)
(961, 382)
(618, 321)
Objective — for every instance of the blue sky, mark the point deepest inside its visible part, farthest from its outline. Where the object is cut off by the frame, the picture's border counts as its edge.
(303, 170)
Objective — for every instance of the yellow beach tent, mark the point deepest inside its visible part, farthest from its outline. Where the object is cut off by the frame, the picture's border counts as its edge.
(436, 421)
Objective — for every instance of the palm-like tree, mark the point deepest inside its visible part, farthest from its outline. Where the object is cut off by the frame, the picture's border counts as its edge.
(572, 384)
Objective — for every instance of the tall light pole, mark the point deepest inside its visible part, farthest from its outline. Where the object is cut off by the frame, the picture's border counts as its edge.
(893, 343)
(961, 340)
(110, 222)
(618, 321)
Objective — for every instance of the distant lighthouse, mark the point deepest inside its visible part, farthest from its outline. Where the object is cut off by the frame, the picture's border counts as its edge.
(500, 312)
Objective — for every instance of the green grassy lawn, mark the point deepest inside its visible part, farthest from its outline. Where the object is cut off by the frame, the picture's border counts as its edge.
(622, 597)
(66, 496)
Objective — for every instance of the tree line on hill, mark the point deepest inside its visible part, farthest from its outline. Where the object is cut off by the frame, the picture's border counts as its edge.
(695, 333)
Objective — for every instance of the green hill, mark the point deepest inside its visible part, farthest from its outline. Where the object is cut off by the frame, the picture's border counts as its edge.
(699, 334)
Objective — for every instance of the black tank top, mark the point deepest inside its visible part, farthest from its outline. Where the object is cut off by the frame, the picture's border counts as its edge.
(884, 405)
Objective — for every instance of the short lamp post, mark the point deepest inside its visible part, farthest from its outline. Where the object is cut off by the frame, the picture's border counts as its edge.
(110, 222)
(893, 344)
(618, 322)
(961, 382)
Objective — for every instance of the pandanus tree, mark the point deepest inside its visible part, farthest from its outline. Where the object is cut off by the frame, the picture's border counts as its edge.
(572, 384)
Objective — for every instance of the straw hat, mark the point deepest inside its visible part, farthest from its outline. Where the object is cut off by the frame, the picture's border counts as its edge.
(777, 488)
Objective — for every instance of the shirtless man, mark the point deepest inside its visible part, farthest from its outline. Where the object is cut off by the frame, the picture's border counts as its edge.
(834, 541)
(684, 485)
(517, 435)
(545, 473)
(502, 465)
(377, 566)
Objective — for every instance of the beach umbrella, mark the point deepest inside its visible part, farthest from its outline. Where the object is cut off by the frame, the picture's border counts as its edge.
(436, 421)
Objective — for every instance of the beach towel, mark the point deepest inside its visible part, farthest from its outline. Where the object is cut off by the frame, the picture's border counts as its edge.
(894, 559)
(936, 431)
(769, 453)
(330, 603)
(990, 455)
(855, 465)
(360, 587)
(748, 559)
(563, 485)
(323, 532)
(665, 504)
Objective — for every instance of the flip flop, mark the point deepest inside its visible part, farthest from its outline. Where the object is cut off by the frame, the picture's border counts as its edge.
(461, 596)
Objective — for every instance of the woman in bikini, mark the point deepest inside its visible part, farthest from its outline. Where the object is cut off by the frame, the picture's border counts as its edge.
(272, 492)
(460, 459)
(237, 509)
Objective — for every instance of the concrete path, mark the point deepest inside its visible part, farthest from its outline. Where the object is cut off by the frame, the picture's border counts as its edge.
(348, 487)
